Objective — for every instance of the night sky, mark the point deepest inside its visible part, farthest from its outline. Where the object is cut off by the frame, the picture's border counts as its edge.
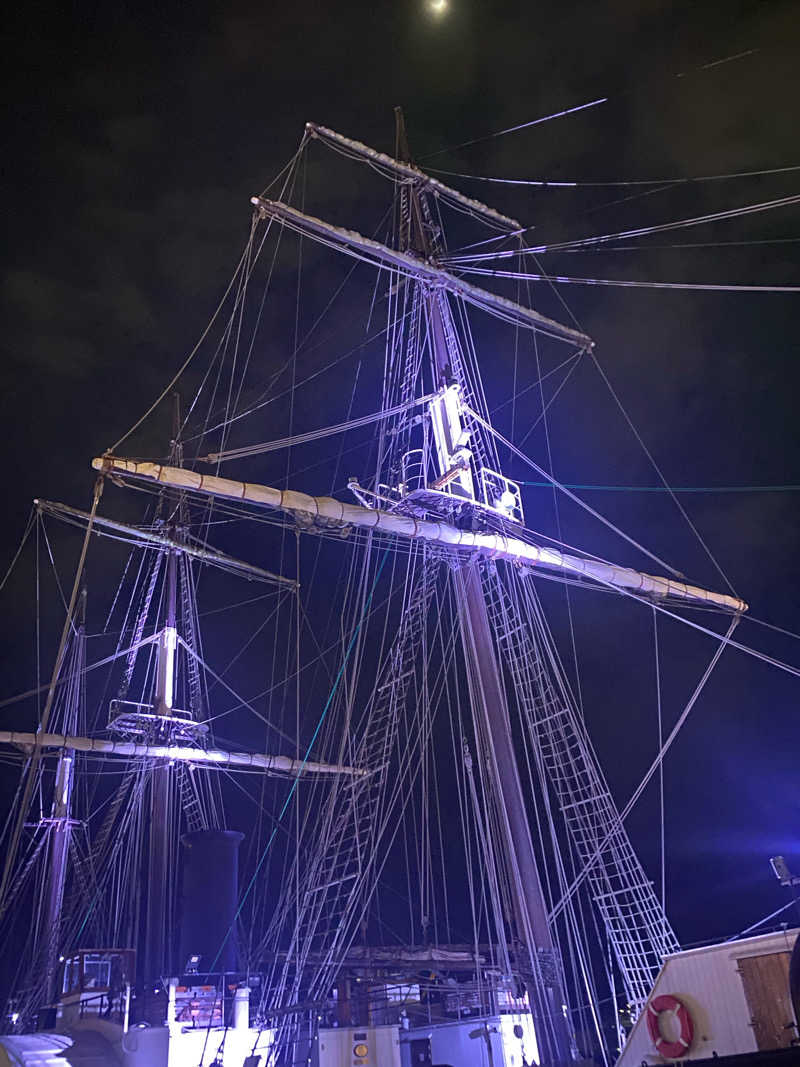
(136, 136)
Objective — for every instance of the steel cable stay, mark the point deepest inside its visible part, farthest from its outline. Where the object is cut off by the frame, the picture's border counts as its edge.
(566, 183)
(343, 847)
(457, 260)
(644, 448)
(723, 642)
(646, 451)
(235, 279)
(265, 400)
(581, 961)
(566, 760)
(568, 493)
(227, 352)
(317, 435)
(561, 279)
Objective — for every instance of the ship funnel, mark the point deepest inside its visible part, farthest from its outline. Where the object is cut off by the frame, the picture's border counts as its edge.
(209, 901)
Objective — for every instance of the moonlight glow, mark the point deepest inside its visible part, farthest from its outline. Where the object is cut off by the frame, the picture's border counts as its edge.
(438, 7)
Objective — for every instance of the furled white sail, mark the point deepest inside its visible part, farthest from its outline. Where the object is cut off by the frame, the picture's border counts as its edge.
(414, 267)
(494, 545)
(209, 756)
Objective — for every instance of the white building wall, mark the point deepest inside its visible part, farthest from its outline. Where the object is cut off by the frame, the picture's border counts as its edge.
(708, 983)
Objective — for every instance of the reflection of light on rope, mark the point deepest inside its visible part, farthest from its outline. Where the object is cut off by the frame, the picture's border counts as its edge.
(438, 7)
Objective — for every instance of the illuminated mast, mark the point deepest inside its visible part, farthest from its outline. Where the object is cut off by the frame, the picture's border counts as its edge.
(490, 708)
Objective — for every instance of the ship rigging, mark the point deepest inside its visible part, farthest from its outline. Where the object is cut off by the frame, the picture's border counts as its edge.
(436, 728)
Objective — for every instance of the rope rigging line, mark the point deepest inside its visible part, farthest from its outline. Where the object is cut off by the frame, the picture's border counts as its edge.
(534, 385)
(170, 385)
(520, 126)
(658, 471)
(669, 488)
(686, 244)
(23, 540)
(84, 670)
(723, 643)
(542, 417)
(315, 435)
(304, 381)
(568, 492)
(221, 350)
(221, 681)
(766, 919)
(51, 558)
(35, 760)
(244, 261)
(305, 760)
(641, 443)
(641, 231)
(561, 279)
(546, 405)
(580, 183)
(591, 103)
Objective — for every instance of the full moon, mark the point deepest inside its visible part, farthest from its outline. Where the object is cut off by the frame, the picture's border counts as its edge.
(438, 7)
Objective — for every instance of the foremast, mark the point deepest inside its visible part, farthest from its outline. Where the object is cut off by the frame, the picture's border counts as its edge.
(61, 822)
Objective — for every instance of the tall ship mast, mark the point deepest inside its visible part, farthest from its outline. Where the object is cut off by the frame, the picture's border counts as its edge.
(432, 865)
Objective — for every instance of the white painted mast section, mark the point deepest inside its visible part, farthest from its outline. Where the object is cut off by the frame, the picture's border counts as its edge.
(423, 181)
(417, 268)
(165, 677)
(278, 765)
(452, 440)
(330, 512)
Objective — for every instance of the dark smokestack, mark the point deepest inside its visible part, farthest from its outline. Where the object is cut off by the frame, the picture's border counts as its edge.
(210, 898)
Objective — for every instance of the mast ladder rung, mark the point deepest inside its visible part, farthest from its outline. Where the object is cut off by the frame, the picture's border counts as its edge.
(331, 885)
(560, 713)
(629, 889)
(393, 683)
(596, 799)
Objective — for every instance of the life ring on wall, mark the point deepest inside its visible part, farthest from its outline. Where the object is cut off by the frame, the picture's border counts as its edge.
(670, 1050)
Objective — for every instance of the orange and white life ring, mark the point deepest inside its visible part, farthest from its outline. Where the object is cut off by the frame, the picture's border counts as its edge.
(670, 1050)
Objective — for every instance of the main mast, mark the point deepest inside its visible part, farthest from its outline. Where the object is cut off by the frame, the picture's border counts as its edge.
(490, 709)
(157, 926)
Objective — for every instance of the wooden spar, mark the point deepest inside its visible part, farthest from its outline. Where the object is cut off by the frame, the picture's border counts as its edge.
(329, 512)
(248, 570)
(420, 179)
(419, 269)
(213, 757)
